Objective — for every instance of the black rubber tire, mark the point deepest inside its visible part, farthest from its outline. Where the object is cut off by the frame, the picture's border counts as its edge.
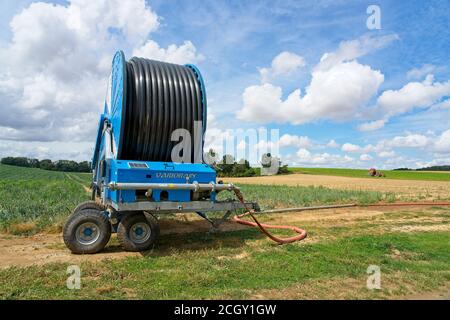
(89, 205)
(99, 218)
(123, 231)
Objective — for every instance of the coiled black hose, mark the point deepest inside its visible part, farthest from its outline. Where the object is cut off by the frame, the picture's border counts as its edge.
(160, 97)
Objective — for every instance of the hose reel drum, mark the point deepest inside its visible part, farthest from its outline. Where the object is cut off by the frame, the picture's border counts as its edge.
(149, 101)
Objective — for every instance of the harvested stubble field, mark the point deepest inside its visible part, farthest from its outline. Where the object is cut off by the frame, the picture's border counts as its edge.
(410, 244)
(404, 189)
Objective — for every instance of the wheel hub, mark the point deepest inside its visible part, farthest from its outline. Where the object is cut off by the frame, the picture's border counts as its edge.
(87, 233)
(140, 232)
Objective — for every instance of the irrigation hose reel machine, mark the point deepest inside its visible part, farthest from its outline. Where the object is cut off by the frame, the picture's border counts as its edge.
(133, 174)
(137, 171)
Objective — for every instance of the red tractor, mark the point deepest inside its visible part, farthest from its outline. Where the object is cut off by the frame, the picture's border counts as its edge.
(374, 173)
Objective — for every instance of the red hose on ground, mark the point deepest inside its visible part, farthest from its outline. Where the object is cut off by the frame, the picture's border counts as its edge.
(263, 227)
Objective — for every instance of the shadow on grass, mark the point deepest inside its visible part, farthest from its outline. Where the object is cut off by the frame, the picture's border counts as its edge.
(184, 236)
(206, 239)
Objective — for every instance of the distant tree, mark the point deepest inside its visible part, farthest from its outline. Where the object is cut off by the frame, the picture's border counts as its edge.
(435, 168)
(84, 166)
(243, 169)
(46, 164)
(16, 161)
(8, 160)
(283, 169)
(210, 157)
(432, 168)
(66, 165)
(226, 165)
(34, 163)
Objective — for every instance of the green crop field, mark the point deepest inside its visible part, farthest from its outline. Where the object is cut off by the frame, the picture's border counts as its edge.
(278, 196)
(34, 199)
(390, 174)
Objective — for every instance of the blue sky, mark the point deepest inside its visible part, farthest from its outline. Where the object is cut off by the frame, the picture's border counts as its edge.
(231, 41)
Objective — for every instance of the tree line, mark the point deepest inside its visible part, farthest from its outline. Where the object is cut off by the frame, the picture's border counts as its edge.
(226, 167)
(229, 167)
(432, 168)
(47, 164)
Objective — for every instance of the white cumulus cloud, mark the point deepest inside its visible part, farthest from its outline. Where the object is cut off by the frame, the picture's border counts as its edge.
(348, 85)
(418, 73)
(54, 70)
(409, 141)
(372, 125)
(413, 95)
(332, 144)
(386, 154)
(365, 157)
(353, 49)
(288, 140)
(174, 54)
(354, 148)
(283, 64)
(305, 157)
(349, 147)
(442, 143)
(424, 95)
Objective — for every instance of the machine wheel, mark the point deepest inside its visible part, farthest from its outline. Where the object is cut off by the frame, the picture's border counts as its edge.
(137, 231)
(89, 205)
(87, 231)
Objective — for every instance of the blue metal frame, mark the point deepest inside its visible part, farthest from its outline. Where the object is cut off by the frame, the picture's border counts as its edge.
(157, 172)
(118, 98)
(203, 89)
(98, 141)
(120, 171)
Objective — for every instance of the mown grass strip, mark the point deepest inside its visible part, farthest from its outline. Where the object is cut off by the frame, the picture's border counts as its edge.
(235, 266)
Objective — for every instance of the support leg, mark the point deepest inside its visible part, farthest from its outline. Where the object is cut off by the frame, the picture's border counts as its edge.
(215, 224)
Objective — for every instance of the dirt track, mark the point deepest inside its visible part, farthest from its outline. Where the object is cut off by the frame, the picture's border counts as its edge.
(49, 248)
(46, 248)
(427, 189)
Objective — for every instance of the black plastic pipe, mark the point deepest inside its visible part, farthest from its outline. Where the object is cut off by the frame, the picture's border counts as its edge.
(160, 98)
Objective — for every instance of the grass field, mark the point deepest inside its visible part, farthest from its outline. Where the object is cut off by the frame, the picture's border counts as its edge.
(390, 174)
(409, 245)
(330, 263)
